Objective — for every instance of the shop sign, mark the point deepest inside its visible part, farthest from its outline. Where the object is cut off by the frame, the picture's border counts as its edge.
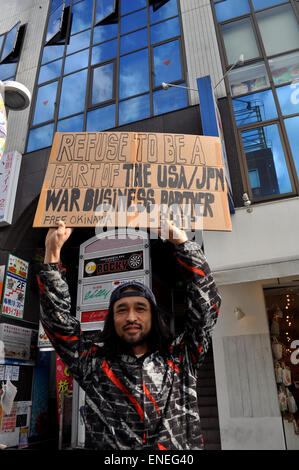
(128, 179)
(64, 383)
(114, 264)
(99, 292)
(10, 165)
(93, 316)
(15, 287)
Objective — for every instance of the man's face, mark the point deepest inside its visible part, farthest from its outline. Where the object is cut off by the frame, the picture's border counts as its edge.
(132, 319)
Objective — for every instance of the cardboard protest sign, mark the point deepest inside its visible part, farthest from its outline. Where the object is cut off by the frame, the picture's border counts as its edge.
(123, 179)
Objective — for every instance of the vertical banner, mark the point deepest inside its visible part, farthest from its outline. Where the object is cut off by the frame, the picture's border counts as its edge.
(212, 125)
(10, 165)
(2, 273)
(15, 287)
(3, 121)
(64, 383)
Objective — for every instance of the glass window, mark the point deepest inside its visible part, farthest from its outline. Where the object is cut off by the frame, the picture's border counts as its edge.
(45, 103)
(231, 9)
(50, 71)
(133, 41)
(104, 10)
(165, 30)
(169, 100)
(55, 4)
(259, 4)
(78, 41)
(167, 10)
(76, 61)
(103, 52)
(239, 39)
(101, 119)
(133, 21)
(103, 32)
(40, 138)
(134, 109)
(285, 68)
(102, 83)
(254, 178)
(52, 53)
(264, 154)
(54, 23)
(288, 97)
(167, 62)
(254, 108)
(248, 78)
(73, 91)
(81, 16)
(7, 70)
(9, 41)
(130, 5)
(73, 124)
(292, 126)
(133, 74)
(279, 29)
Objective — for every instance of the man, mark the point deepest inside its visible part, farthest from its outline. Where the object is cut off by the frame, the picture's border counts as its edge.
(140, 384)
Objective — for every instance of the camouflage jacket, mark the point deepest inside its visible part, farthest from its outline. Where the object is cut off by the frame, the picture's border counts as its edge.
(137, 403)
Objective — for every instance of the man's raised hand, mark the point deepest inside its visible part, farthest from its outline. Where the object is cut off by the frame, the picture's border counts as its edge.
(55, 239)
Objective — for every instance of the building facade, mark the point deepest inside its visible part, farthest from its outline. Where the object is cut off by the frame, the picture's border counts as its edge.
(92, 66)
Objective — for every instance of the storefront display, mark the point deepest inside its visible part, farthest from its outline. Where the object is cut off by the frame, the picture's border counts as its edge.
(283, 314)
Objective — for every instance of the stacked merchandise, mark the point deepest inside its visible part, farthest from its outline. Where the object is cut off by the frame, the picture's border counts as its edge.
(285, 370)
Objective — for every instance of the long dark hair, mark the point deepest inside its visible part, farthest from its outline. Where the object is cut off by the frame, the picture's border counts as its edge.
(157, 340)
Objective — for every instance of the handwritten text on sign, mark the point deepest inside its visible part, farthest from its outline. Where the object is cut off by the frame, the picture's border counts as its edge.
(128, 171)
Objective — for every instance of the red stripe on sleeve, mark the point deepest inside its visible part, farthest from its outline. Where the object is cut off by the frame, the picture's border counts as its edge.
(191, 268)
(110, 374)
(161, 447)
(66, 338)
(215, 307)
(173, 366)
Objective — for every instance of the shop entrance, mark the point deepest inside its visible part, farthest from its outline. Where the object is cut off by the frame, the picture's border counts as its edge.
(282, 304)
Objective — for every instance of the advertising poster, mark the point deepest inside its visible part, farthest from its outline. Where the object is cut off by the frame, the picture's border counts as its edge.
(15, 287)
(17, 342)
(43, 340)
(8, 422)
(128, 179)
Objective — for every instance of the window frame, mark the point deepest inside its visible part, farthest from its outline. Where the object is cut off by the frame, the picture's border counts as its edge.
(110, 17)
(101, 104)
(14, 52)
(62, 35)
(294, 177)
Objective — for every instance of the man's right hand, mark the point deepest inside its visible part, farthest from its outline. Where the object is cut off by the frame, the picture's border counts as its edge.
(55, 239)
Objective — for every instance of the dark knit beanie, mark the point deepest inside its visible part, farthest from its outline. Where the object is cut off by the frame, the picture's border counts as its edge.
(138, 289)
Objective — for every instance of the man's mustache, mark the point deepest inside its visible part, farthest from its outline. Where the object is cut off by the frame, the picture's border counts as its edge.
(128, 324)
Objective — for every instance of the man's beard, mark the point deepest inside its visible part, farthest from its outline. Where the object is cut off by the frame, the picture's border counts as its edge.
(134, 342)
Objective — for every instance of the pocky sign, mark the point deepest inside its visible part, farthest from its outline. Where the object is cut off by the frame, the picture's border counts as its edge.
(134, 179)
